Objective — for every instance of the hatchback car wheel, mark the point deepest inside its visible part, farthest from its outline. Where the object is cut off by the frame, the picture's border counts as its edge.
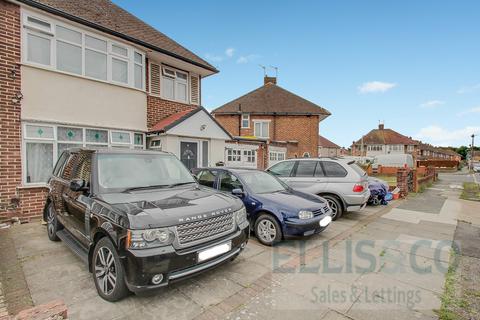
(268, 230)
(108, 272)
(52, 223)
(335, 206)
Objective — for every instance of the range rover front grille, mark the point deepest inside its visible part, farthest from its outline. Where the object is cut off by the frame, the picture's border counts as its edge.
(191, 232)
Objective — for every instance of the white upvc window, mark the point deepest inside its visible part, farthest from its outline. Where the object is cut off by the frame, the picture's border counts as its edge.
(54, 45)
(245, 120)
(249, 156)
(174, 84)
(42, 144)
(234, 155)
(261, 129)
(375, 147)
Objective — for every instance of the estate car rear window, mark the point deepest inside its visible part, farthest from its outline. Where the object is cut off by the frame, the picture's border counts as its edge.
(333, 169)
(118, 172)
(306, 168)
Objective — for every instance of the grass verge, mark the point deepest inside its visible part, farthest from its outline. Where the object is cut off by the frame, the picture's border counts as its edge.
(450, 301)
(471, 191)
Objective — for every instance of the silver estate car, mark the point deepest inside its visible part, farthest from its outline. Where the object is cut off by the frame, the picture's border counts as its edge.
(341, 182)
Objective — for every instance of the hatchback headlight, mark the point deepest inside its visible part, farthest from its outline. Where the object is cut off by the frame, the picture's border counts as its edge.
(241, 216)
(305, 214)
(149, 238)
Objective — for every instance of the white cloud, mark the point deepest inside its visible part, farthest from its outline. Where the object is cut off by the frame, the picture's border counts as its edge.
(432, 104)
(443, 137)
(469, 89)
(469, 111)
(229, 52)
(247, 58)
(376, 86)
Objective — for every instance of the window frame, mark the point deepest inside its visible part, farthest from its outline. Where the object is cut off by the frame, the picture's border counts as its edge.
(174, 77)
(245, 119)
(52, 37)
(55, 142)
(261, 122)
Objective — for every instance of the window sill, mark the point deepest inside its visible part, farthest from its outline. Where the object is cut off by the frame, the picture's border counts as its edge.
(50, 69)
(33, 186)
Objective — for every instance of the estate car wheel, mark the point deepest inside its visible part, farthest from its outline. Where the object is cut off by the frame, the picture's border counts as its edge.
(108, 272)
(335, 206)
(268, 230)
(52, 223)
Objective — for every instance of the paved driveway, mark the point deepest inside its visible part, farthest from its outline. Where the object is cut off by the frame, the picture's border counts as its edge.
(383, 262)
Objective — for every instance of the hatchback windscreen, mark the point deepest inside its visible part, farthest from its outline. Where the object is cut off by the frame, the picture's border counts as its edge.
(261, 182)
(119, 172)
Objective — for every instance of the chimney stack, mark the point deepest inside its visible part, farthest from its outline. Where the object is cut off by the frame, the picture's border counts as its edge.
(381, 126)
(267, 79)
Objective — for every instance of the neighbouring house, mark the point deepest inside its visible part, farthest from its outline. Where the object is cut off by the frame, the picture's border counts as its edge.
(428, 152)
(270, 124)
(88, 73)
(384, 141)
(327, 148)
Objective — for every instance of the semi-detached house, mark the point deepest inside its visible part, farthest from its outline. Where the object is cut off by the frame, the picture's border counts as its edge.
(88, 73)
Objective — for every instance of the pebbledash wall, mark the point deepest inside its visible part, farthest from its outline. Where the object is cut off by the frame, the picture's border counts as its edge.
(15, 201)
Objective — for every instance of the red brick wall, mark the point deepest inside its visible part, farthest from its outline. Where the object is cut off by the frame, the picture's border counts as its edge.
(303, 129)
(15, 201)
(158, 109)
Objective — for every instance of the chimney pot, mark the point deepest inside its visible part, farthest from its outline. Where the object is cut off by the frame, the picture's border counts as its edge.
(381, 126)
(268, 79)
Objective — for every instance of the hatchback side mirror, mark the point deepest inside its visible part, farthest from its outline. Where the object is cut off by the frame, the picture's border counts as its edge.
(78, 185)
(238, 192)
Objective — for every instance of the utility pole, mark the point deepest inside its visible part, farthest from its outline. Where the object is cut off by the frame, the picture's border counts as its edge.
(472, 152)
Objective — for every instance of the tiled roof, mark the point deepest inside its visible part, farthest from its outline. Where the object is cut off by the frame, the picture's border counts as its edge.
(172, 120)
(325, 143)
(108, 17)
(386, 136)
(271, 99)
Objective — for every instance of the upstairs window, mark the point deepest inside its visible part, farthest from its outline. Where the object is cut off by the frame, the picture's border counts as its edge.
(56, 46)
(262, 129)
(174, 85)
(245, 120)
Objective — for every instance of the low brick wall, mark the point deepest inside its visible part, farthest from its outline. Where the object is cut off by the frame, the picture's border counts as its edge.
(381, 170)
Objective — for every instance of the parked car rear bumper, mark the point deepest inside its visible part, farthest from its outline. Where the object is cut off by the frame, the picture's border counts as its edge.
(357, 202)
(141, 265)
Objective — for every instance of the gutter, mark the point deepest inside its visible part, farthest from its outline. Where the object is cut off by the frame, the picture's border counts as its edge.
(112, 32)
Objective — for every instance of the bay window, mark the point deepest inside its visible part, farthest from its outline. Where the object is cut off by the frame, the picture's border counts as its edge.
(174, 85)
(56, 46)
(44, 143)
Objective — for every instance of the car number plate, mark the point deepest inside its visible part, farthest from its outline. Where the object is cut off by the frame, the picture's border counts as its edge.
(214, 251)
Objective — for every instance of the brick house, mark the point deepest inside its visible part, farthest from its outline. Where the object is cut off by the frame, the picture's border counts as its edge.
(384, 141)
(327, 148)
(270, 124)
(87, 73)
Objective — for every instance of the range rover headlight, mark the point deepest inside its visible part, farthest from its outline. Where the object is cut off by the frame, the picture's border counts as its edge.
(149, 238)
(241, 217)
(305, 214)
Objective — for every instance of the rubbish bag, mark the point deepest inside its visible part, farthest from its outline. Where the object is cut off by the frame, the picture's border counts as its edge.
(378, 192)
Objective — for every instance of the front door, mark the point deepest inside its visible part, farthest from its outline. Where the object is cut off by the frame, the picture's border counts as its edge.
(189, 154)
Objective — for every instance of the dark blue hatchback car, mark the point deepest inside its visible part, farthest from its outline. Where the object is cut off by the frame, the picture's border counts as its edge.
(275, 210)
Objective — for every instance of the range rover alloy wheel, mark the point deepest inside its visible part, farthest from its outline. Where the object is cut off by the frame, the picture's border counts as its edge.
(52, 223)
(268, 230)
(108, 272)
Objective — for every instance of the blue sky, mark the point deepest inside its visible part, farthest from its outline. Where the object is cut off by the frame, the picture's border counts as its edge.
(413, 64)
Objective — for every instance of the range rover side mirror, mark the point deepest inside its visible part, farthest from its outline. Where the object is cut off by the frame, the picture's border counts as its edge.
(78, 185)
(238, 192)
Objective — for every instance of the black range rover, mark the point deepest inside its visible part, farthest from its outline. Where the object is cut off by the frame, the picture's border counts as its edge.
(139, 219)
